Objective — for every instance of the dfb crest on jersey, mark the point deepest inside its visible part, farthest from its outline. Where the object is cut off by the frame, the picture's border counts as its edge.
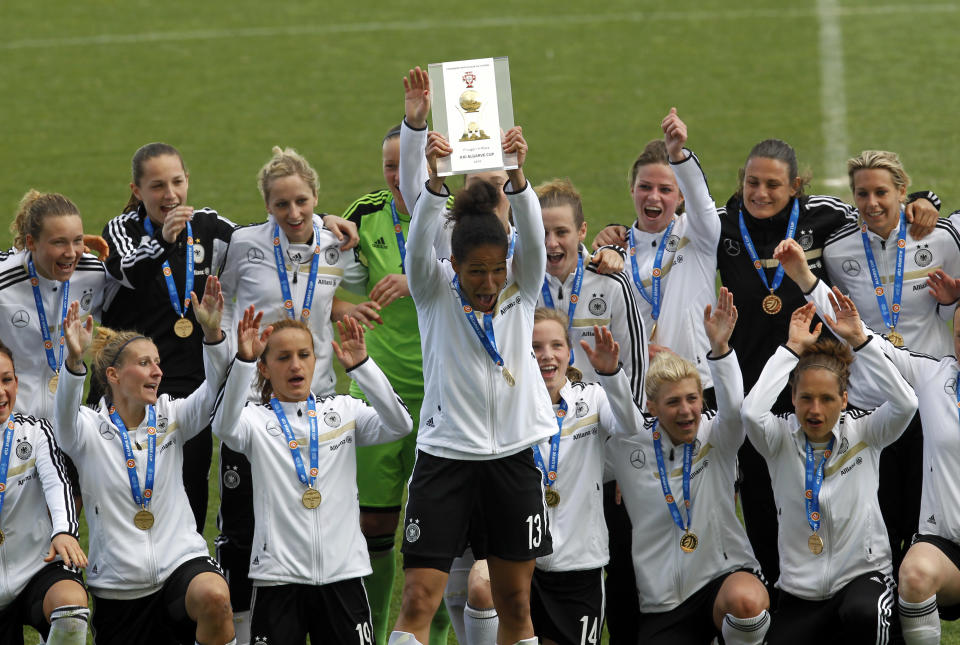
(597, 306)
(231, 478)
(24, 449)
(198, 252)
(332, 419)
(412, 532)
(85, 299)
(844, 445)
(805, 239)
(673, 243)
(581, 408)
(331, 255)
(923, 257)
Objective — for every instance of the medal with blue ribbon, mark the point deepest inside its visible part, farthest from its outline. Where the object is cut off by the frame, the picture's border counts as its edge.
(688, 541)
(814, 480)
(282, 275)
(311, 498)
(485, 335)
(574, 296)
(401, 243)
(550, 474)
(183, 327)
(53, 360)
(8, 433)
(143, 519)
(891, 313)
(771, 304)
(656, 274)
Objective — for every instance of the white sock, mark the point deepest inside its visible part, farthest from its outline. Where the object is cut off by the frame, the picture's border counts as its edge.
(527, 641)
(455, 593)
(480, 625)
(920, 621)
(745, 631)
(68, 625)
(241, 627)
(403, 638)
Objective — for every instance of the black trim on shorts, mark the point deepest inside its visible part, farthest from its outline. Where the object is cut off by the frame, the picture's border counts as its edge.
(380, 509)
(567, 607)
(27, 607)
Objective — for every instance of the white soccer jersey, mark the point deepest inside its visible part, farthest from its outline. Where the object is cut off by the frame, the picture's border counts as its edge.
(666, 575)
(126, 562)
(469, 409)
(249, 277)
(605, 300)
(20, 324)
(291, 543)
(922, 322)
(689, 270)
(37, 483)
(854, 536)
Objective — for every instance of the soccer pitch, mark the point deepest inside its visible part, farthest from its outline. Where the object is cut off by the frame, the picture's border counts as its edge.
(85, 84)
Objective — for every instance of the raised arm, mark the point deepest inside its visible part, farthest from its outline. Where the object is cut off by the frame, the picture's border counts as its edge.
(530, 255)
(704, 223)
(413, 136)
(423, 274)
(77, 336)
(719, 323)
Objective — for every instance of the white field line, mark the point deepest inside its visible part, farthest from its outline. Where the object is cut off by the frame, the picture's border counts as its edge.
(490, 23)
(833, 93)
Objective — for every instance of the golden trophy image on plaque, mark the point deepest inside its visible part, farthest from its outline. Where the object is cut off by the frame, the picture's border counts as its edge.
(470, 103)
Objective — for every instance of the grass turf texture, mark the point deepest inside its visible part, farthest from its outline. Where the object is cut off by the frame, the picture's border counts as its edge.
(86, 84)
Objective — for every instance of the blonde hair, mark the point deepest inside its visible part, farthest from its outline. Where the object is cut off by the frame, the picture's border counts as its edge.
(542, 314)
(263, 383)
(560, 192)
(667, 367)
(285, 162)
(106, 351)
(879, 160)
(33, 209)
(829, 355)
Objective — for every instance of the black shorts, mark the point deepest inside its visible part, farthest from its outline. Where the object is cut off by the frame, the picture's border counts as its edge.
(494, 505)
(952, 550)
(567, 606)
(27, 608)
(235, 521)
(689, 623)
(334, 613)
(159, 619)
(863, 611)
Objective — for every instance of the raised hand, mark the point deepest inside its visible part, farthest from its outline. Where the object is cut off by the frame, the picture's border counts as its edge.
(250, 340)
(416, 98)
(847, 323)
(344, 229)
(800, 336)
(209, 310)
(77, 335)
(175, 221)
(437, 146)
(352, 349)
(943, 287)
(790, 254)
(674, 135)
(605, 354)
(513, 142)
(719, 322)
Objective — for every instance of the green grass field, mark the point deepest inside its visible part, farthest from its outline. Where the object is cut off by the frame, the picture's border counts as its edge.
(85, 84)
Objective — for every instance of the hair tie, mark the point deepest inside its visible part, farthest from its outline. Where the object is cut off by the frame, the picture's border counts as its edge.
(113, 363)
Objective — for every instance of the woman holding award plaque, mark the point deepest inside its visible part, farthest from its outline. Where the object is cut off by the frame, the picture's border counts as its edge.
(484, 406)
(150, 572)
(309, 556)
(835, 558)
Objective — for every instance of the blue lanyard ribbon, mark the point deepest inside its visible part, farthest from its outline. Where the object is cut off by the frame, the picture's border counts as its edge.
(141, 500)
(54, 361)
(665, 480)
(401, 244)
(295, 446)
(513, 242)
(890, 320)
(656, 274)
(752, 251)
(5, 459)
(814, 480)
(550, 475)
(168, 272)
(282, 275)
(574, 295)
(485, 335)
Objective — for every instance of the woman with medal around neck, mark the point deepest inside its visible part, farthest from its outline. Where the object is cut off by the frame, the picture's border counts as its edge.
(835, 558)
(309, 556)
(485, 405)
(697, 577)
(47, 268)
(150, 572)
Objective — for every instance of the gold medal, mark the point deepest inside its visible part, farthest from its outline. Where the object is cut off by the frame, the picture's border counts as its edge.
(772, 304)
(653, 333)
(2, 537)
(508, 377)
(895, 338)
(553, 497)
(52, 385)
(815, 544)
(183, 328)
(143, 520)
(689, 542)
(311, 498)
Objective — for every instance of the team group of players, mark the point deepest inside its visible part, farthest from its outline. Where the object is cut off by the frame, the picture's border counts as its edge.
(572, 425)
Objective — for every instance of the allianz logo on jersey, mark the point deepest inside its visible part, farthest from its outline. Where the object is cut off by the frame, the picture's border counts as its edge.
(505, 308)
